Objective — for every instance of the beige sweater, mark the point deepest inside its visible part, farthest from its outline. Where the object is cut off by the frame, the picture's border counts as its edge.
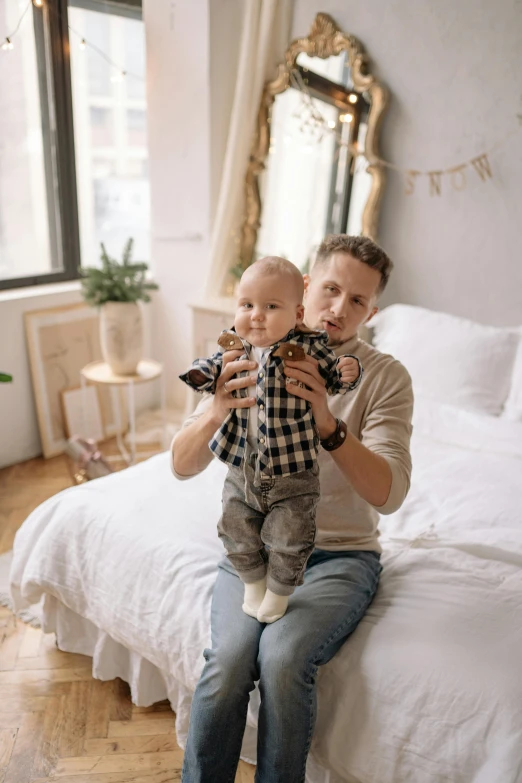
(379, 414)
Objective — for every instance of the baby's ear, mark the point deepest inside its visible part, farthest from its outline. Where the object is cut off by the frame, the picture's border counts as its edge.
(299, 316)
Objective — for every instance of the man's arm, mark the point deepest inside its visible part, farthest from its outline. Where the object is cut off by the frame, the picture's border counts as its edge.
(190, 451)
(375, 471)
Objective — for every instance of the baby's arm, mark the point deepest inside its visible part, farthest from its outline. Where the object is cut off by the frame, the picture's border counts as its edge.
(203, 373)
(342, 374)
(350, 370)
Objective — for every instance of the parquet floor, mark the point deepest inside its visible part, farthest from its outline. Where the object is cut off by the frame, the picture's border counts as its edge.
(56, 722)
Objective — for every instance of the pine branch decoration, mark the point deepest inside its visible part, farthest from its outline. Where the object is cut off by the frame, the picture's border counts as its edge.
(115, 281)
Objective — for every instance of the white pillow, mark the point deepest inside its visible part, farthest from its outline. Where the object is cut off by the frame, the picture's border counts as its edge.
(450, 359)
(513, 407)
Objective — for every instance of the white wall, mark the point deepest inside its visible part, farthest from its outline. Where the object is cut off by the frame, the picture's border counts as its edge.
(177, 41)
(20, 439)
(192, 50)
(19, 435)
(454, 70)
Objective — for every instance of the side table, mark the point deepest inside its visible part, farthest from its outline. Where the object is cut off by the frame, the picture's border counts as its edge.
(147, 370)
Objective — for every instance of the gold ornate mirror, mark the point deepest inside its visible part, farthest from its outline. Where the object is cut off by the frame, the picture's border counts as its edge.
(314, 166)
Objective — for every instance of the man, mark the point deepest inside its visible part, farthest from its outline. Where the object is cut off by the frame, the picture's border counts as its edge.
(365, 469)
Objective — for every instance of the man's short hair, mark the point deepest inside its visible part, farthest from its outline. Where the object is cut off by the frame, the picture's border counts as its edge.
(363, 249)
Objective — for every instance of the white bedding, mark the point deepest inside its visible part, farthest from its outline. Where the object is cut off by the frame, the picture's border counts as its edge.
(427, 690)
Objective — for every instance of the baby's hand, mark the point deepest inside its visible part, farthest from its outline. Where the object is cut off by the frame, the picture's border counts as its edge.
(349, 369)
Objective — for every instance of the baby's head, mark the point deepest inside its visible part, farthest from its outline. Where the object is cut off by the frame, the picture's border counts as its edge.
(269, 301)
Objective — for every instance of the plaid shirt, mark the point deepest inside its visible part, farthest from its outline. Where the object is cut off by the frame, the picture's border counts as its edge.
(288, 439)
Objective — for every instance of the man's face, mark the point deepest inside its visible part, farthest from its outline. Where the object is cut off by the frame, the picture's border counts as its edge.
(340, 295)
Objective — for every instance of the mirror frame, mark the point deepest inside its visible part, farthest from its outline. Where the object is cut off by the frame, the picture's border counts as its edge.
(324, 40)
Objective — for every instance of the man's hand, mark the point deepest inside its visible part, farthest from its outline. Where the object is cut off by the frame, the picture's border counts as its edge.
(314, 391)
(349, 369)
(223, 400)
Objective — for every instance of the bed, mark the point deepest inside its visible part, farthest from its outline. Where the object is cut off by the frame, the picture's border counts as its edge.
(428, 688)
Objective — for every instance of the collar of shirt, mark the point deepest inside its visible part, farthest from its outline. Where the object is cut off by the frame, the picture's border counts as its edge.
(294, 334)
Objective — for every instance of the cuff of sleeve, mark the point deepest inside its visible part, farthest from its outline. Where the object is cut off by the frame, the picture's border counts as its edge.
(398, 490)
(208, 386)
(346, 387)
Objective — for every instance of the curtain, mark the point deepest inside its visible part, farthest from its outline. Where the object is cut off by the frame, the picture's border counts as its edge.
(264, 38)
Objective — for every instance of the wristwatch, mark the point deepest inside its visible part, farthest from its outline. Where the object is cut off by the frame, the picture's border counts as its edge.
(337, 437)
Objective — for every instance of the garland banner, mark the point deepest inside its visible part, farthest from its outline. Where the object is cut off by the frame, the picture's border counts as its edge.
(313, 121)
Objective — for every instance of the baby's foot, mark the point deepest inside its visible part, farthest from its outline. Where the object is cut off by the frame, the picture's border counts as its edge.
(273, 607)
(254, 594)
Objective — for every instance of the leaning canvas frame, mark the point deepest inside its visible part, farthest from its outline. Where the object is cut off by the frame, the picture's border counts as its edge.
(62, 340)
(82, 413)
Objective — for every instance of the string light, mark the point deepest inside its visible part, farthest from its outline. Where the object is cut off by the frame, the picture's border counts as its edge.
(353, 98)
(345, 118)
(117, 77)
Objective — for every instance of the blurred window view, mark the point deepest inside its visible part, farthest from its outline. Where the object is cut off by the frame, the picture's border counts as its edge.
(63, 192)
(25, 228)
(110, 130)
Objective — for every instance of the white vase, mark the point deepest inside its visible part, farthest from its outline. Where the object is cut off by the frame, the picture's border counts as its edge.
(121, 336)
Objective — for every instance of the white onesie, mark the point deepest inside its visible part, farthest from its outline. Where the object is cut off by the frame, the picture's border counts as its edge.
(256, 355)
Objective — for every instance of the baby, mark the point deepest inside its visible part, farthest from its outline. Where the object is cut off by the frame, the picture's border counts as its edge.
(272, 486)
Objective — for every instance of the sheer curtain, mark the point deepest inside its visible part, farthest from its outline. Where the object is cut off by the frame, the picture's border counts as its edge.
(264, 38)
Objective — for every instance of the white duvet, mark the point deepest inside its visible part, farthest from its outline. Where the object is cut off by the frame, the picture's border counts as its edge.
(429, 687)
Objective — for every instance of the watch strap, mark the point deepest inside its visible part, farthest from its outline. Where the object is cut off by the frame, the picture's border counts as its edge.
(337, 438)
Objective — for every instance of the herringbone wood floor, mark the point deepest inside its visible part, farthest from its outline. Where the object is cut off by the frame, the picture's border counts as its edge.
(56, 722)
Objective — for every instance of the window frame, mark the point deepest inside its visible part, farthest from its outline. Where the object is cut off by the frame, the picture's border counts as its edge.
(51, 30)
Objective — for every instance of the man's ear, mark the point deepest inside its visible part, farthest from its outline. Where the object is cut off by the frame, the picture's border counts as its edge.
(299, 316)
(306, 279)
(374, 310)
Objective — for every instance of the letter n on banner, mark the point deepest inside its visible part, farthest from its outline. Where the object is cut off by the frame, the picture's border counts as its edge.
(482, 167)
(435, 182)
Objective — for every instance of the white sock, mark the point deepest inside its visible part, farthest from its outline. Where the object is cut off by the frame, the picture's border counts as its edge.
(254, 594)
(273, 607)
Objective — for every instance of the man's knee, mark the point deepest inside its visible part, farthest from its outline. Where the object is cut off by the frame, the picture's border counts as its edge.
(284, 662)
(229, 670)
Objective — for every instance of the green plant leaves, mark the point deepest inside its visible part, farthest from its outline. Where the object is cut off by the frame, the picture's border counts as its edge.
(115, 281)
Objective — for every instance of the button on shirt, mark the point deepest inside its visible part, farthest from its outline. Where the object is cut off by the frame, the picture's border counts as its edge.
(286, 433)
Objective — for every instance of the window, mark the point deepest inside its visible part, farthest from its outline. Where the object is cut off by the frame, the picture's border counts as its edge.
(73, 141)
(27, 245)
(109, 110)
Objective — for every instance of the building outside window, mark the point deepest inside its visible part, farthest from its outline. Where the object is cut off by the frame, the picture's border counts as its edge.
(73, 137)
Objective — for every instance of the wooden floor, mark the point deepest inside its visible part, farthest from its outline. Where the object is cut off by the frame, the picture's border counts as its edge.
(56, 722)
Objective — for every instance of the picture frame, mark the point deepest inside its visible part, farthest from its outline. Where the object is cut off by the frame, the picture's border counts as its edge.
(60, 341)
(82, 413)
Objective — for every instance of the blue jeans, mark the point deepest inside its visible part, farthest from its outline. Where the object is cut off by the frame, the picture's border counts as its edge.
(284, 656)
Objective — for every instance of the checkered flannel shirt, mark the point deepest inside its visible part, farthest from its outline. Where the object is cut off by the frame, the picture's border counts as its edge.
(288, 439)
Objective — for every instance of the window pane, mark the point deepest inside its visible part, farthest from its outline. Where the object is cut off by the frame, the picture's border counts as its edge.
(25, 246)
(110, 128)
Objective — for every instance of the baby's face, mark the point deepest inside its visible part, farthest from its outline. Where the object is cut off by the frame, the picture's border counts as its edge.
(267, 309)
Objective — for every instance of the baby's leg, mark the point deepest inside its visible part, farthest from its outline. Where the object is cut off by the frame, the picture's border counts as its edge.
(289, 532)
(272, 607)
(239, 529)
(254, 595)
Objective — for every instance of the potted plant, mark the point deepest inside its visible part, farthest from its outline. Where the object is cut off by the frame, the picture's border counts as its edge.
(117, 289)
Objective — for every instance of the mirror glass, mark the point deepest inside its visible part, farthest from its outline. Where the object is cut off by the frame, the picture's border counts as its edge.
(313, 183)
